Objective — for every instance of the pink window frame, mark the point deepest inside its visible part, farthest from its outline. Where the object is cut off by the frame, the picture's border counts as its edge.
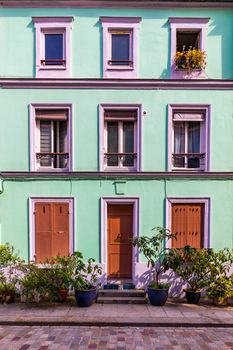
(102, 108)
(182, 23)
(104, 237)
(190, 200)
(32, 201)
(205, 133)
(129, 24)
(60, 25)
(33, 137)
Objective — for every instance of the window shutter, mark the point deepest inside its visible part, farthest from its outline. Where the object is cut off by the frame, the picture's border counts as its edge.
(195, 217)
(44, 114)
(179, 225)
(116, 114)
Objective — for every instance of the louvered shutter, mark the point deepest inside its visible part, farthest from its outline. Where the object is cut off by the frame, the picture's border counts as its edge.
(45, 141)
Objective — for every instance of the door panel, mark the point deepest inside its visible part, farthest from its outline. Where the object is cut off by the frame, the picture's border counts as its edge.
(188, 225)
(120, 231)
(51, 230)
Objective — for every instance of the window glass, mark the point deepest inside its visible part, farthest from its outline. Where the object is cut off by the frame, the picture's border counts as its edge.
(112, 160)
(193, 144)
(53, 49)
(120, 49)
(179, 144)
(128, 143)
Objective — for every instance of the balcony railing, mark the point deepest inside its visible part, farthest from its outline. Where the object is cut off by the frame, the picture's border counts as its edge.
(188, 160)
(126, 159)
(52, 155)
(55, 160)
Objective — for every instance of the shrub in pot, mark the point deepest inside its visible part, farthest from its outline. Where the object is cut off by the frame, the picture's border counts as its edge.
(85, 279)
(7, 290)
(221, 284)
(190, 59)
(155, 251)
(194, 267)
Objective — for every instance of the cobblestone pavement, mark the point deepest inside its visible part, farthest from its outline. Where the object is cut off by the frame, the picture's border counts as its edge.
(67, 338)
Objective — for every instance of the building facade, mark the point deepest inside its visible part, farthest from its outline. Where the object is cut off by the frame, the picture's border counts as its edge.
(104, 137)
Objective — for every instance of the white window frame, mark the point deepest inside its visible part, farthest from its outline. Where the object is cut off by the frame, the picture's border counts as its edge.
(35, 136)
(120, 145)
(53, 25)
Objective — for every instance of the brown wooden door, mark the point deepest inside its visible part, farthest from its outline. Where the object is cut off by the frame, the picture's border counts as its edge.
(51, 230)
(188, 225)
(120, 232)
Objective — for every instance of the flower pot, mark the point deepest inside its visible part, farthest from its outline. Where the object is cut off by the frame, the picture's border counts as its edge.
(220, 301)
(85, 298)
(157, 297)
(192, 297)
(62, 294)
(8, 297)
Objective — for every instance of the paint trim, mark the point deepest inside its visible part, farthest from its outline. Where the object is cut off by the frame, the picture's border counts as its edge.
(204, 200)
(206, 109)
(104, 201)
(125, 84)
(180, 23)
(32, 119)
(32, 201)
(120, 23)
(61, 25)
(102, 108)
(151, 4)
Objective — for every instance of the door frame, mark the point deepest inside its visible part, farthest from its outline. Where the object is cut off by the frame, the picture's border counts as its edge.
(190, 200)
(104, 222)
(32, 229)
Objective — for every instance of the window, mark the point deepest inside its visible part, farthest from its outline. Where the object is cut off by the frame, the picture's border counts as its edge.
(187, 33)
(188, 219)
(51, 145)
(189, 138)
(120, 141)
(120, 46)
(53, 37)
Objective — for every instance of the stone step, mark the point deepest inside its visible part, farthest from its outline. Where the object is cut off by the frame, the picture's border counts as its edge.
(111, 293)
(121, 300)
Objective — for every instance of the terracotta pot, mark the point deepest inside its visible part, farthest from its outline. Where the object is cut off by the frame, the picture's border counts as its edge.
(220, 301)
(63, 294)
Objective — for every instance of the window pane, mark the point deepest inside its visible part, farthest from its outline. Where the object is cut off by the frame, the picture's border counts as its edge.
(179, 144)
(53, 48)
(128, 143)
(61, 144)
(112, 143)
(45, 142)
(193, 143)
(120, 49)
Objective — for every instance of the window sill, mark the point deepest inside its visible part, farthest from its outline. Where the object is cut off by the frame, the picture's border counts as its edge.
(57, 68)
(196, 170)
(124, 170)
(120, 68)
(53, 170)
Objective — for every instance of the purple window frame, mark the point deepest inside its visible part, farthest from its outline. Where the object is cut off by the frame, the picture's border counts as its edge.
(129, 25)
(205, 133)
(33, 135)
(54, 25)
(190, 200)
(102, 108)
(182, 23)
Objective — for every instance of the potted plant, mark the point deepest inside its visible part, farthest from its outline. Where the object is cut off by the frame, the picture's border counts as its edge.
(190, 59)
(84, 280)
(221, 283)
(194, 267)
(155, 251)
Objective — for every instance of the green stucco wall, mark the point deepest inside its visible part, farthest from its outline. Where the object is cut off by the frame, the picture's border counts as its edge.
(15, 122)
(14, 207)
(18, 41)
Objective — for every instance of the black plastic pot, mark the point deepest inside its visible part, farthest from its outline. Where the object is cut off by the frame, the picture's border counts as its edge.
(157, 297)
(85, 298)
(192, 297)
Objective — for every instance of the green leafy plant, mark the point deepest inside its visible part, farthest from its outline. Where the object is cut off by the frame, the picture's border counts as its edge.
(86, 275)
(221, 289)
(190, 59)
(7, 289)
(155, 251)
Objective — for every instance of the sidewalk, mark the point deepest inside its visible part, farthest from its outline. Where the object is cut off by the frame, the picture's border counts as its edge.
(173, 314)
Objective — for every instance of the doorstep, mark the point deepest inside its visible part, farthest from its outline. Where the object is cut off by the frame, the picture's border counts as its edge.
(175, 313)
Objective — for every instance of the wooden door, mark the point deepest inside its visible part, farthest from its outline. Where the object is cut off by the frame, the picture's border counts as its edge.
(188, 225)
(120, 233)
(51, 230)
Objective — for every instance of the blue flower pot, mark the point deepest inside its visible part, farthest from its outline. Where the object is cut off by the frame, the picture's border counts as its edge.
(85, 298)
(157, 297)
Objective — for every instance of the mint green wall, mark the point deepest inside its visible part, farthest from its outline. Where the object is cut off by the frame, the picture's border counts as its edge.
(18, 52)
(15, 122)
(14, 207)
